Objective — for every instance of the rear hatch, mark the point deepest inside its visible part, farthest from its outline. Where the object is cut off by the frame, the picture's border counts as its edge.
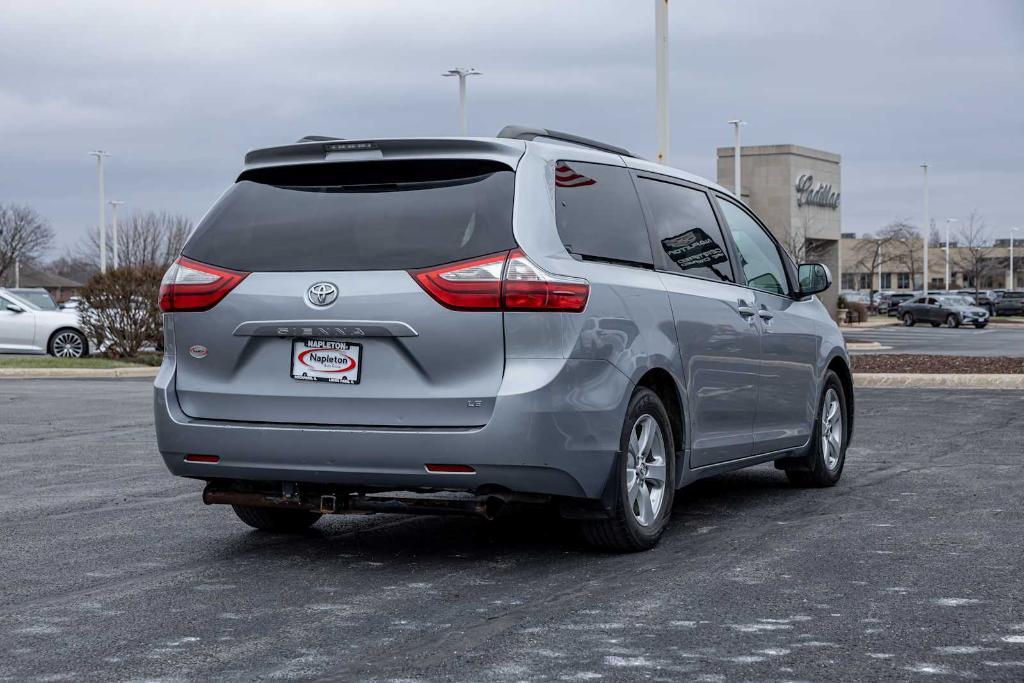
(323, 253)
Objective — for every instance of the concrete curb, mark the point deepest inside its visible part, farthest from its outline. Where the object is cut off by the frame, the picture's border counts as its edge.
(865, 346)
(65, 373)
(875, 380)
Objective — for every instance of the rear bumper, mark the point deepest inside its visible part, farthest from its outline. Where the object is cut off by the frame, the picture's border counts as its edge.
(554, 430)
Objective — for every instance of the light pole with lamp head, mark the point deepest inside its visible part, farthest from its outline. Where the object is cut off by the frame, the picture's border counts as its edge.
(99, 154)
(926, 231)
(462, 73)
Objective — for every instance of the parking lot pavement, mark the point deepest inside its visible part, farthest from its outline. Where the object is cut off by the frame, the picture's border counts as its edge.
(112, 569)
(963, 341)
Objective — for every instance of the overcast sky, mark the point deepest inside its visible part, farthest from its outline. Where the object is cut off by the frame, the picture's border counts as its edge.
(178, 91)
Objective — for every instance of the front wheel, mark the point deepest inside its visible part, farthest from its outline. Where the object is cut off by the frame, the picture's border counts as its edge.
(824, 464)
(68, 343)
(908, 320)
(643, 480)
(952, 321)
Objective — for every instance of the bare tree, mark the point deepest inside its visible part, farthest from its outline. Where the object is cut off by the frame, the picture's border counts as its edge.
(872, 253)
(24, 236)
(904, 242)
(802, 248)
(145, 238)
(975, 258)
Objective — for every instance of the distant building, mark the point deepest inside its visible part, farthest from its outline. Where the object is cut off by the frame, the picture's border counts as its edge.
(59, 287)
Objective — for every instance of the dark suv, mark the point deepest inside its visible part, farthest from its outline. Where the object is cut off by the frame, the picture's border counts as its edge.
(1008, 303)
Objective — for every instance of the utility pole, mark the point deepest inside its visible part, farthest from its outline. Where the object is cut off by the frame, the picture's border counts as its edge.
(113, 231)
(1012, 230)
(99, 154)
(736, 123)
(926, 231)
(462, 73)
(661, 77)
(948, 221)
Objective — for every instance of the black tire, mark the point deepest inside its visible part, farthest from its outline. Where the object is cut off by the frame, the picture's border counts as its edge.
(58, 344)
(275, 520)
(623, 531)
(981, 326)
(908, 320)
(952, 321)
(814, 470)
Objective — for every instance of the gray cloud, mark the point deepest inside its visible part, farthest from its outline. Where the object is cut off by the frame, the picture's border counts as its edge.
(178, 91)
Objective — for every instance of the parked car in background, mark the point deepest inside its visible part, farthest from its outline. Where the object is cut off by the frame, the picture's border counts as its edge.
(981, 297)
(37, 296)
(507, 318)
(1008, 303)
(71, 304)
(889, 304)
(28, 328)
(949, 310)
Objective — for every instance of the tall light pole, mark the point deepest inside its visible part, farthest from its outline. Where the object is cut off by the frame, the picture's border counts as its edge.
(736, 123)
(99, 154)
(927, 230)
(948, 221)
(661, 77)
(1012, 230)
(462, 73)
(113, 231)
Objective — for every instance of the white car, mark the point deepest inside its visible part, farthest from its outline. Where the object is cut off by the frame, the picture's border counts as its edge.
(27, 328)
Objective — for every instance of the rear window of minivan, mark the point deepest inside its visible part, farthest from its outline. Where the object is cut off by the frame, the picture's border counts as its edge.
(384, 215)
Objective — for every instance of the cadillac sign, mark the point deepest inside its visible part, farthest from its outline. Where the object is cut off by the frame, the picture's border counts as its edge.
(822, 195)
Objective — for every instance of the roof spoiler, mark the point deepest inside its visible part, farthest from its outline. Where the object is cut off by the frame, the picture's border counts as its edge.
(525, 133)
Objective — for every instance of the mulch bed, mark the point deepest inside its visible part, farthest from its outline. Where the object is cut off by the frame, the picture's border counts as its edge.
(921, 364)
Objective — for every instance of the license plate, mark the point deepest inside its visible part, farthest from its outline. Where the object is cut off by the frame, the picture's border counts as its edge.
(322, 360)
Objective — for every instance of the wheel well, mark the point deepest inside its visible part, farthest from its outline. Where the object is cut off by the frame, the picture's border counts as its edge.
(49, 342)
(842, 370)
(660, 382)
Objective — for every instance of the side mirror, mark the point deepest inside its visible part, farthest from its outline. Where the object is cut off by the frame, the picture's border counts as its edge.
(814, 278)
(15, 308)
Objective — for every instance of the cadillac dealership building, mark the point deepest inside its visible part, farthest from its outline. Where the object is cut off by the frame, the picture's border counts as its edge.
(796, 192)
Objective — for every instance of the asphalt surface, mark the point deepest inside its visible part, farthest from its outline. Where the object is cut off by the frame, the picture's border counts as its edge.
(925, 339)
(110, 569)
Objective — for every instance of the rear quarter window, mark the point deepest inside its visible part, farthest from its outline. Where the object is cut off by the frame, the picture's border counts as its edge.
(599, 214)
(359, 216)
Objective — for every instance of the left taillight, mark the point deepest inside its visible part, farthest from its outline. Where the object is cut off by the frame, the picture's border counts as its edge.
(193, 286)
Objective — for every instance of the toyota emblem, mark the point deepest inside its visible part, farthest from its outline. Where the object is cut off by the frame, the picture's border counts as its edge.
(322, 294)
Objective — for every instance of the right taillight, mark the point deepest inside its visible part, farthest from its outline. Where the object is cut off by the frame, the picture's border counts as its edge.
(508, 281)
(193, 286)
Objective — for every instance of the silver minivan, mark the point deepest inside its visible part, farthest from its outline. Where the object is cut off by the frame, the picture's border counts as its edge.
(462, 325)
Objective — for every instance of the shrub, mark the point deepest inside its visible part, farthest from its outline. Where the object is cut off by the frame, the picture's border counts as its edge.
(859, 310)
(120, 310)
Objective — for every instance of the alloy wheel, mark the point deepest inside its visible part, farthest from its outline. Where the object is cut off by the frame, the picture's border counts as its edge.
(646, 470)
(831, 429)
(68, 345)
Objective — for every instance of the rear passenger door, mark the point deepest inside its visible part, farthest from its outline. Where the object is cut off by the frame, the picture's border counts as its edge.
(787, 391)
(714, 318)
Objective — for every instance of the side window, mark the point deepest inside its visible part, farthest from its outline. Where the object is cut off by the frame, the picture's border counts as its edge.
(684, 227)
(598, 213)
(758, 253)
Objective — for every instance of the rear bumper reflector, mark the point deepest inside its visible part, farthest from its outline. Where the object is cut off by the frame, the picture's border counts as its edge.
(450, 469)
(202, 458)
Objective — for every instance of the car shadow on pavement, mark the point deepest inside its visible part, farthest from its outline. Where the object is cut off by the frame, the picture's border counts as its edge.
(397, 539)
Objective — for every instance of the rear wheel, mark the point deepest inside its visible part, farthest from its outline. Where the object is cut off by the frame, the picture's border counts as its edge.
(952, 321)
(908, 320)
(276, 521)
(644, 480)
(68, 343)
(824, 464)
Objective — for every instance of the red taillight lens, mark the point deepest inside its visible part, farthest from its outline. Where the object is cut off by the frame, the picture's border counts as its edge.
(502, 282)
(192, 457)
(473, 285)
(192, 286)
(529, 288)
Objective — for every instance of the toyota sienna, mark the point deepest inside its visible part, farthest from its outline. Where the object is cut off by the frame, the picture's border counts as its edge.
(455, 325)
